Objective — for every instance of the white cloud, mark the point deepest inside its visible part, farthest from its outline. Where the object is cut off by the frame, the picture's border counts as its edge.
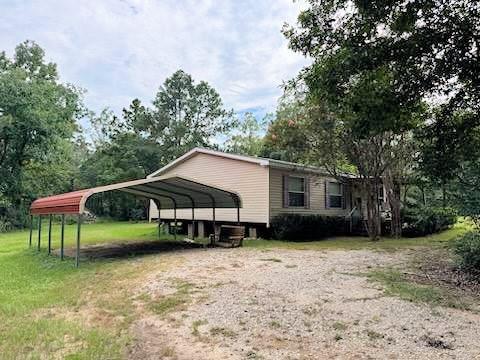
(122, 49)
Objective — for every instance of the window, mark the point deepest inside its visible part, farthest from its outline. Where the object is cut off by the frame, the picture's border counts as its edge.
(296, 191)
(334, 195)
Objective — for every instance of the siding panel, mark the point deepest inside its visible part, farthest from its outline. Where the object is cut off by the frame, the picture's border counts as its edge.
(249, 180)
(317, 195)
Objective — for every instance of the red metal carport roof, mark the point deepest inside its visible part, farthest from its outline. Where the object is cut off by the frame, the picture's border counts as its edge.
(169, 192)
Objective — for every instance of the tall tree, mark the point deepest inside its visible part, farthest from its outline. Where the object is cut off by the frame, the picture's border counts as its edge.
(375, 61)
(37, 120)
(186, 115)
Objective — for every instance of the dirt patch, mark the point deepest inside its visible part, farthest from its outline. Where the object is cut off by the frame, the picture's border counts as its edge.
(436, 267)
(130, 248)
(302, 305)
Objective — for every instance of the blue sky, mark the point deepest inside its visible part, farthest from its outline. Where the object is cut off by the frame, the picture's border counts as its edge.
(119, 50)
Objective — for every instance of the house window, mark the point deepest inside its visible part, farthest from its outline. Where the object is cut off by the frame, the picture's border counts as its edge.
(334, 195)
(296, 191)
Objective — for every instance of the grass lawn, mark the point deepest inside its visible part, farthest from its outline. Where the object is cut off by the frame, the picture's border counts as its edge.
(42, 299)
(40, 295)
(356, 243)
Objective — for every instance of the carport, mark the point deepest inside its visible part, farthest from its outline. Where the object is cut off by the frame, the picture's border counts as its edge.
(171, 192)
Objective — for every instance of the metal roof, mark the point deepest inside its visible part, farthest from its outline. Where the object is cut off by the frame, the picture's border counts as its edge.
(168, 192)
(266, 162)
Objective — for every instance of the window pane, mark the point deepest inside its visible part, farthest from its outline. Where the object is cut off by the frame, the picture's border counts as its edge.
(335, 201)
(296, 199)
(296, 184)
(334, 188)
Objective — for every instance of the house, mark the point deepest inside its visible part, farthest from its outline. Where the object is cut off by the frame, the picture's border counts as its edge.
(267, 188)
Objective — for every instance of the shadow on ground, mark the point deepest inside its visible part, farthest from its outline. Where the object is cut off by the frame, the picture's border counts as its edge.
(128, 249)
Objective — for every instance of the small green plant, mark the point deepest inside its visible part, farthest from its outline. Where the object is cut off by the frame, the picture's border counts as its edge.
(373, 335)
(338, 337)
(272, 260)
(196, 324)
(275, 324)
(222, 331)
(339, 326)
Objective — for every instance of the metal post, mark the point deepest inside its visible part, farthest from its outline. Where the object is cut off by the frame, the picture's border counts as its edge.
(39, 231)
(193, 223)
(62, 236)
(175, 220)
(213, 220)
(77, 255)
(50, 234)
(31, 231)
(238, 215)
(159, 224)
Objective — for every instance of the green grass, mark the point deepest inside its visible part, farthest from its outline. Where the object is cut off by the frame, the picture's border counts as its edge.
(174, 301)
(357, 242)
(396, 284)
(42, 298)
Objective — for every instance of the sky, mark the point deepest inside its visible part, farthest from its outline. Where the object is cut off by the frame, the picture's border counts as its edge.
(118, 50)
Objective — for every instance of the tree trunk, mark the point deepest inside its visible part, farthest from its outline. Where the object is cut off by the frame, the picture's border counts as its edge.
(373, 214)
(392, 186)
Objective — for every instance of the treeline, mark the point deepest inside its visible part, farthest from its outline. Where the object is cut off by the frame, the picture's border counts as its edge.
(44, 150)
(392, 95)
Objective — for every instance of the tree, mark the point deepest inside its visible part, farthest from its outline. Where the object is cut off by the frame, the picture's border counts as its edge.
(186, 115)
(143, 139)
(37, 121)
(247, 137)
(285, 137)
(374, 62)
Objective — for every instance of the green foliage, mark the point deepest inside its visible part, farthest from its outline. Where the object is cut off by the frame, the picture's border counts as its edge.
(37, 121)
(424, 220)
(186, 115)
(285, 139)
(247, 137)
(295, 227)
(467, 248)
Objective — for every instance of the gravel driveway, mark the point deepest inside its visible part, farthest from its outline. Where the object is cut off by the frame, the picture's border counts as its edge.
(294, 304)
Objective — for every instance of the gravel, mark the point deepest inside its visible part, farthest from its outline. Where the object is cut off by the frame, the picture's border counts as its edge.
(295, 304)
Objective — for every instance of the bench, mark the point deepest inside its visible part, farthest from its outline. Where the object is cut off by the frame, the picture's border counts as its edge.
(228, 236)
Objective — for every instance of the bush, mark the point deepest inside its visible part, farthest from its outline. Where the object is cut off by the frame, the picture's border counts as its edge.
(297, 227)
(420, 221)
(467, 248)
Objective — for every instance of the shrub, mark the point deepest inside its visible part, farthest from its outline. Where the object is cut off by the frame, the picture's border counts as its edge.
(420, 221)
(297, 227)
(467, 248)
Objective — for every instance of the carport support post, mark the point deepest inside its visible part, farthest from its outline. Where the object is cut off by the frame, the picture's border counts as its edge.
(159, 223)
(175, 220)
(77, 255)
(39, 231)
(50, 234)
(31, 231)
(193, 223)
(62, 236)
(214, 230)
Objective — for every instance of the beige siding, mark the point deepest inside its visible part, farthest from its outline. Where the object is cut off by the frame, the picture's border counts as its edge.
(249, 180)
(317, 195)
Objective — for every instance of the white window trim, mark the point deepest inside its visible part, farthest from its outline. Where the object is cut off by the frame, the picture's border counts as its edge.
(304, 192)
(341, 194)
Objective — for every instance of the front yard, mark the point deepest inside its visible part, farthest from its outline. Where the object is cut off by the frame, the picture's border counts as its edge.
(345, 298)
